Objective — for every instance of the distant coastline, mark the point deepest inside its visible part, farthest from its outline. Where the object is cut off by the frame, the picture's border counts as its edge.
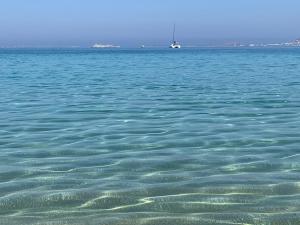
(295, 43)
(230, 44)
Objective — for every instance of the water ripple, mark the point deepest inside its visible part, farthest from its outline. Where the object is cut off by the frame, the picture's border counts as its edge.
(123, 137)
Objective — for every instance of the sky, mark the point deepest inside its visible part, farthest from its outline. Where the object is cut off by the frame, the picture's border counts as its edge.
(135, 22)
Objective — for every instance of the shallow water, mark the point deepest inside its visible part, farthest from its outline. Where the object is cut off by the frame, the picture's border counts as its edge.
(202, 136)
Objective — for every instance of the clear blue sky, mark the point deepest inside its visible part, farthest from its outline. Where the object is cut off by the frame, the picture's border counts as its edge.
(129, 22)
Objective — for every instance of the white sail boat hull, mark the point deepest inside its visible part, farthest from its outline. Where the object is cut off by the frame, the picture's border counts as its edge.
(175, 46)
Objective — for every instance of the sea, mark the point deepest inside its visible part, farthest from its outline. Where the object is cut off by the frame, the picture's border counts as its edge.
(207, 136)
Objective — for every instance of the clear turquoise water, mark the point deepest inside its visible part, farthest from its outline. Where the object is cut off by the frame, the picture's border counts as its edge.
(203, 136)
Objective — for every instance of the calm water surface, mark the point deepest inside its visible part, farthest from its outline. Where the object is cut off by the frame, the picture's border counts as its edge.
(150, 137)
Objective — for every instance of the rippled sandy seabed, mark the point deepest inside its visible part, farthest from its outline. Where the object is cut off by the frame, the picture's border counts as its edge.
(150, 137)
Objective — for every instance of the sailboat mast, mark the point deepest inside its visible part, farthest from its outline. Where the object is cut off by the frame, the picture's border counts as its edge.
(174, 33)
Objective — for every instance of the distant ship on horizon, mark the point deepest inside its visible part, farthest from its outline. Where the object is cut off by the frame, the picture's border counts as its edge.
(105, 46)
(175, 44)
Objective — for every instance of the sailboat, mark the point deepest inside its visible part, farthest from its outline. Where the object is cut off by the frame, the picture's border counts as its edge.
(175, 44)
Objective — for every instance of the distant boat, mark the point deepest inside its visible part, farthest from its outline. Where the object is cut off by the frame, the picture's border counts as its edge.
(175, 44)
(105, 46)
